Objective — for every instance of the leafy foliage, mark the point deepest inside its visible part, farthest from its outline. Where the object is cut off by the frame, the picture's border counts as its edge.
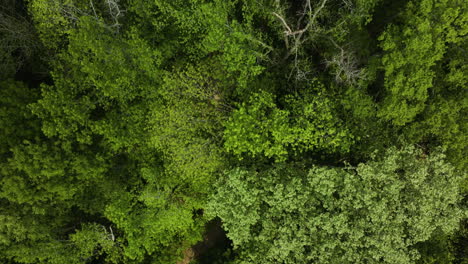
(376, 212)
(126, 126)
(307, 123)
(412, 51)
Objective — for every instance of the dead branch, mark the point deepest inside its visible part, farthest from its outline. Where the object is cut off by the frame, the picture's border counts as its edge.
(288, 31)
(297, 35)
(345, 66)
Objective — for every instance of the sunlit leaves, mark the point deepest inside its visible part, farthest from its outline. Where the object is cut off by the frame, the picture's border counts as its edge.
(374, 213)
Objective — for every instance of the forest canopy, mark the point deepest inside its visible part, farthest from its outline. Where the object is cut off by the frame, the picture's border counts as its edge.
(233, 131)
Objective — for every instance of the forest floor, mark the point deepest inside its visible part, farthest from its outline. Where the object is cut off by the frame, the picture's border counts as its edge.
(214, 239)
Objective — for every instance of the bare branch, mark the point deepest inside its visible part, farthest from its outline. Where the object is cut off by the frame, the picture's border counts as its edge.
(288, 31)
(298, 34)
(345, 66)
(311, 19)
(112, 233)
(286, 40)
(92, 6)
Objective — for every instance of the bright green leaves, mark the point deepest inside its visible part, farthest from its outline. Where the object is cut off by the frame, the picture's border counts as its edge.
(55, 19)
(159, 229)
(239, 190)
(444, 116)
(86, 244)
(50, 21)
(93, 240)
(258, 127)
(99, 85)
(375, 213)
(63, 114)
(118, 69)
(315, 123)
(240, 51)
(147, 103)
(411, 52)
(187, 127)
(43, 174)
(307, 122)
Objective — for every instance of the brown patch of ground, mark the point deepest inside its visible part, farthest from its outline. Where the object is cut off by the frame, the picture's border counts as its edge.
(188, 256)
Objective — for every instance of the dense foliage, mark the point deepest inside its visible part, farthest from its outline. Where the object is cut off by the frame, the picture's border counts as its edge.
(324, 131)
(374, 213)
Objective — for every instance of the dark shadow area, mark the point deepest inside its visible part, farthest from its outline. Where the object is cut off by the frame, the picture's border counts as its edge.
(385, 13)
(22, 55)
(216, 246)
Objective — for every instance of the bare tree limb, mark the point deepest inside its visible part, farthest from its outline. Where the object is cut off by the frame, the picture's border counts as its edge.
(112, 233)
(92, 6)
(294, 37)
(297, 35)
(345, 65)
(284, 23)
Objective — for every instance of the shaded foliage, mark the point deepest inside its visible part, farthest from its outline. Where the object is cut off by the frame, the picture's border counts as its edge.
(315, 130)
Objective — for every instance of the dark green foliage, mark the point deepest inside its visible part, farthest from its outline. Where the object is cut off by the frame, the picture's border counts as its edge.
(16, 121)
(313, 129)
(19, 43)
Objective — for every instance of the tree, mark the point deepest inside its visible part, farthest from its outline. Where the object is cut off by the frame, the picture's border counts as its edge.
(187, 127)
(116, 93)
(16, 121)
(123, 150)
(411, 52)
(308, 122)
(376, 212)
